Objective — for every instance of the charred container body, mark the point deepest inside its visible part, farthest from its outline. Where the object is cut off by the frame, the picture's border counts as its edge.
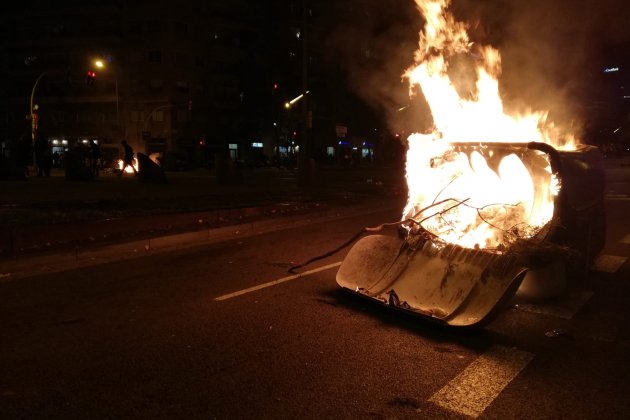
(420, 272)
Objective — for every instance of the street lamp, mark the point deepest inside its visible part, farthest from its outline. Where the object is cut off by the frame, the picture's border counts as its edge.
(289, 104)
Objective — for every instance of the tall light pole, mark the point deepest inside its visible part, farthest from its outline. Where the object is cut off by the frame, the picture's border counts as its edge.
(100, 65)
(34, 118)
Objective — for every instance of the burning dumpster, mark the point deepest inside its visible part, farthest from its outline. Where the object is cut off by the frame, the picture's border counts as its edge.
(463, 283)
(496, 202)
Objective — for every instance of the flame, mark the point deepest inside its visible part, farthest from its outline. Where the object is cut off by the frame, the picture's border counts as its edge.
(128, 169)
(455, 192)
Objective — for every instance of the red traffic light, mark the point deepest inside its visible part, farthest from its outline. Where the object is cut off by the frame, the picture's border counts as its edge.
(90, 77)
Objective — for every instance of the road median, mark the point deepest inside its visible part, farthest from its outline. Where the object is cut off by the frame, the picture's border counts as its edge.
(228, 225)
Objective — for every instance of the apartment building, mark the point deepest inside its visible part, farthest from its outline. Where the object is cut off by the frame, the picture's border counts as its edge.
(167, 77)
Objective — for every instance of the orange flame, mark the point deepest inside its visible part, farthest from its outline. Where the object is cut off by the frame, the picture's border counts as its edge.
(485, 201)
(128, 169)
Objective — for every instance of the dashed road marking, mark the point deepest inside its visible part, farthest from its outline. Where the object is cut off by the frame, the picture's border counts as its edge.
(564, 308)
(474, 389)
(616, 197)
(276, 282)
(609, 263)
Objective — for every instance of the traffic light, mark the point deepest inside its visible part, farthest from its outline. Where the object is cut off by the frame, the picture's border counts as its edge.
(91, 76)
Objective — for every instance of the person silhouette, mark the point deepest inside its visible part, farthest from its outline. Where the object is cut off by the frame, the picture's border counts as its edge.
(95, 156)
(127, 158)
(43, 155)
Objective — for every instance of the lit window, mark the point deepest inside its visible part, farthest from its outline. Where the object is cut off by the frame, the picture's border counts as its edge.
(158, 116)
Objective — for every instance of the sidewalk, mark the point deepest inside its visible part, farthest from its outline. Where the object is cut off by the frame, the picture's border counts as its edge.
(53, 214)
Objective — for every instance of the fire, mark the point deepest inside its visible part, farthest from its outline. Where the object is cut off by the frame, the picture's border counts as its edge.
(128, 169)
(472, 194)
(155, 157)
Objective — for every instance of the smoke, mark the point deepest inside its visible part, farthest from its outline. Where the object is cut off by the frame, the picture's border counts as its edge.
(374, 42)
(551, 52)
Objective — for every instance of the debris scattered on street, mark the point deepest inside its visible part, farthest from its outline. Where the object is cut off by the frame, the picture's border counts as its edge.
(557, 332)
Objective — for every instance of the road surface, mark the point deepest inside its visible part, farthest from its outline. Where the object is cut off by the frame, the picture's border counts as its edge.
(224, 331)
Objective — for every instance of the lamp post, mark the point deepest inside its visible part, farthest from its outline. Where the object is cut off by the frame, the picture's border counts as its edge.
(101, 65)
(303, 147)
(34, 121)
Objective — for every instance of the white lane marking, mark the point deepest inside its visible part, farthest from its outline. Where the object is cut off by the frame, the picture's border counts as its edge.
(276, 282)
(609, 263)
(613, 197)
(474, 389)
(625, 239)
(565, 307)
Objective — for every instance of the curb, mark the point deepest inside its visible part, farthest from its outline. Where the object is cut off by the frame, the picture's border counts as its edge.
(30, 239)
(28, 265)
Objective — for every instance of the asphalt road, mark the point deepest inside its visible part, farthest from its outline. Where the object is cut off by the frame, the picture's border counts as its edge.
(223, 331)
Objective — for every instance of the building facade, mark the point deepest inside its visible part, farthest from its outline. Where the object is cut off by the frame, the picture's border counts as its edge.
(167, 77)
(187, 81)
